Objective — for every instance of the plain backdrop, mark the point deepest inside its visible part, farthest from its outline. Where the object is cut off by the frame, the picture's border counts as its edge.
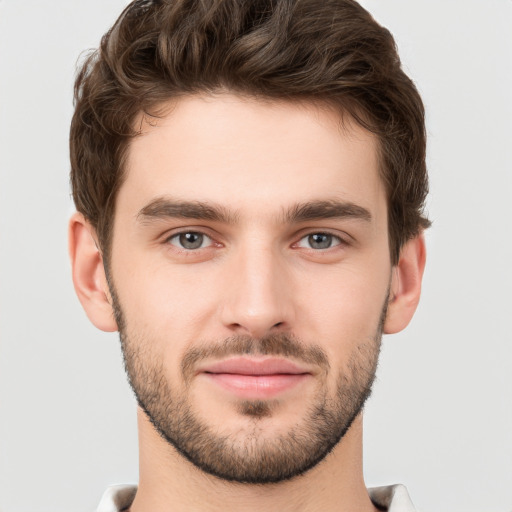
(440, 418)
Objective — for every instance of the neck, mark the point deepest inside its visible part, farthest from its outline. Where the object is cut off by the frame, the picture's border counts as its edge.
(170, 482)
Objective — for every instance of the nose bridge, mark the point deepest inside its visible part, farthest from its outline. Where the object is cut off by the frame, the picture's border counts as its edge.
(257, 300)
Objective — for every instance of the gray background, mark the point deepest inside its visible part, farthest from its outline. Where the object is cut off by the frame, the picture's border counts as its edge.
(440, 419)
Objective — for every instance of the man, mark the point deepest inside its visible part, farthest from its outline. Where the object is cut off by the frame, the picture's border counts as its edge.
(250, 180)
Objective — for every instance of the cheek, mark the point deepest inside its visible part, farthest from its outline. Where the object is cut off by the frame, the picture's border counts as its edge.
(345, 308)
(166, 304)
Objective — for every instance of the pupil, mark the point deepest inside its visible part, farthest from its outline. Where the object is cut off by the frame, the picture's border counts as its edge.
(320, 241)
(191, 240)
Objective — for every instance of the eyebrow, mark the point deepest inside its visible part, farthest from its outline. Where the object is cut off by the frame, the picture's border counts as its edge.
(330, 209)
(162, 208)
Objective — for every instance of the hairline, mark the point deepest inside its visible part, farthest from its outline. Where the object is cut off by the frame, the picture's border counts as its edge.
(161, 109)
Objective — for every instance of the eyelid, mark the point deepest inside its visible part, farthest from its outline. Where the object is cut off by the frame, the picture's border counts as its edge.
(169, 233)
(206, 239)
(336, 241)
(342, 238)
(201, 230)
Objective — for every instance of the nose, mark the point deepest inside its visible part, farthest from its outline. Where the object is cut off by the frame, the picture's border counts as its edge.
(258, 296)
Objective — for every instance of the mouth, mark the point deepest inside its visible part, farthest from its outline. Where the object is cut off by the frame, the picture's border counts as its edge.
(255, 378)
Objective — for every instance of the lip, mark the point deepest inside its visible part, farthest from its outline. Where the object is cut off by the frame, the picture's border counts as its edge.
(255, 378)
(255, 366)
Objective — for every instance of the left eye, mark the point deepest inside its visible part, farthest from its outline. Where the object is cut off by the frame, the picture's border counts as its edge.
(190, 240)
(319, 241)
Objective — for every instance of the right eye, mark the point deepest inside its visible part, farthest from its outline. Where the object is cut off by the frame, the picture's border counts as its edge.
(190, 240)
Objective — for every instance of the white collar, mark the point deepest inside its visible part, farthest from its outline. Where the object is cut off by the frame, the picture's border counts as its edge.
(392, 498)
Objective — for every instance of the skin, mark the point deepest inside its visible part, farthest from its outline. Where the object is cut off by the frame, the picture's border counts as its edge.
(255, 275)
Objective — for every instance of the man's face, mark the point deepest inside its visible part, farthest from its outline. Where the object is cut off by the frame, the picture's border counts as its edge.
(250, 272)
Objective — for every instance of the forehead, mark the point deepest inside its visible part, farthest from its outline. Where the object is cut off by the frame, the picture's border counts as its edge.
(251, 155)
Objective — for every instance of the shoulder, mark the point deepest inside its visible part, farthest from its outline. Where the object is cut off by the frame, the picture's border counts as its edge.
(392, 498)
(117, 498)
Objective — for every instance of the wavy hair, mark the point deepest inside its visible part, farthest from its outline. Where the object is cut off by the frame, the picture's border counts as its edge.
(329, 51)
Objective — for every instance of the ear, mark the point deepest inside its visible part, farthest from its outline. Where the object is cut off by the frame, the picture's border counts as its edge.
(405, 287)
(89, 274)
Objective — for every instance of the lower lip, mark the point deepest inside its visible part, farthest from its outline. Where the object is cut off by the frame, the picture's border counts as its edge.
(257, 386)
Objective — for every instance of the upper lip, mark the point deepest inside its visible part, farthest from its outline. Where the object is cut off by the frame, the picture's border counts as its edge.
(254, 366)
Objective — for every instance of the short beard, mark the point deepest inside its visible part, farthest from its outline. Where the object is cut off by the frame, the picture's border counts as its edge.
(252, 458)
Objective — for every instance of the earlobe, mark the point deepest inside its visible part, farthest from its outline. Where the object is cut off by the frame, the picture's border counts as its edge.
(89, 275)
(405, 287)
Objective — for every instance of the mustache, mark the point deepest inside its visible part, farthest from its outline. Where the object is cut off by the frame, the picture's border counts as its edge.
(281, 344)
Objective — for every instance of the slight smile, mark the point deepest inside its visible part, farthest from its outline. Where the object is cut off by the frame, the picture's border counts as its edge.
(257, 379)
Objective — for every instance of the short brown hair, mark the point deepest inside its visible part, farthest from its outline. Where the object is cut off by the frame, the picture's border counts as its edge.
(328, 51)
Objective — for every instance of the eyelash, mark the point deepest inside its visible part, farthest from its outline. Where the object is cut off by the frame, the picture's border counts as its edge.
(177, 236)
(335, 240)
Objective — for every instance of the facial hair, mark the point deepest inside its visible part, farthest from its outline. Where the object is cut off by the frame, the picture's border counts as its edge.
(254, 458)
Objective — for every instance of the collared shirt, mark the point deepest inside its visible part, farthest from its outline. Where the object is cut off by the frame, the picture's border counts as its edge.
(392, 498)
